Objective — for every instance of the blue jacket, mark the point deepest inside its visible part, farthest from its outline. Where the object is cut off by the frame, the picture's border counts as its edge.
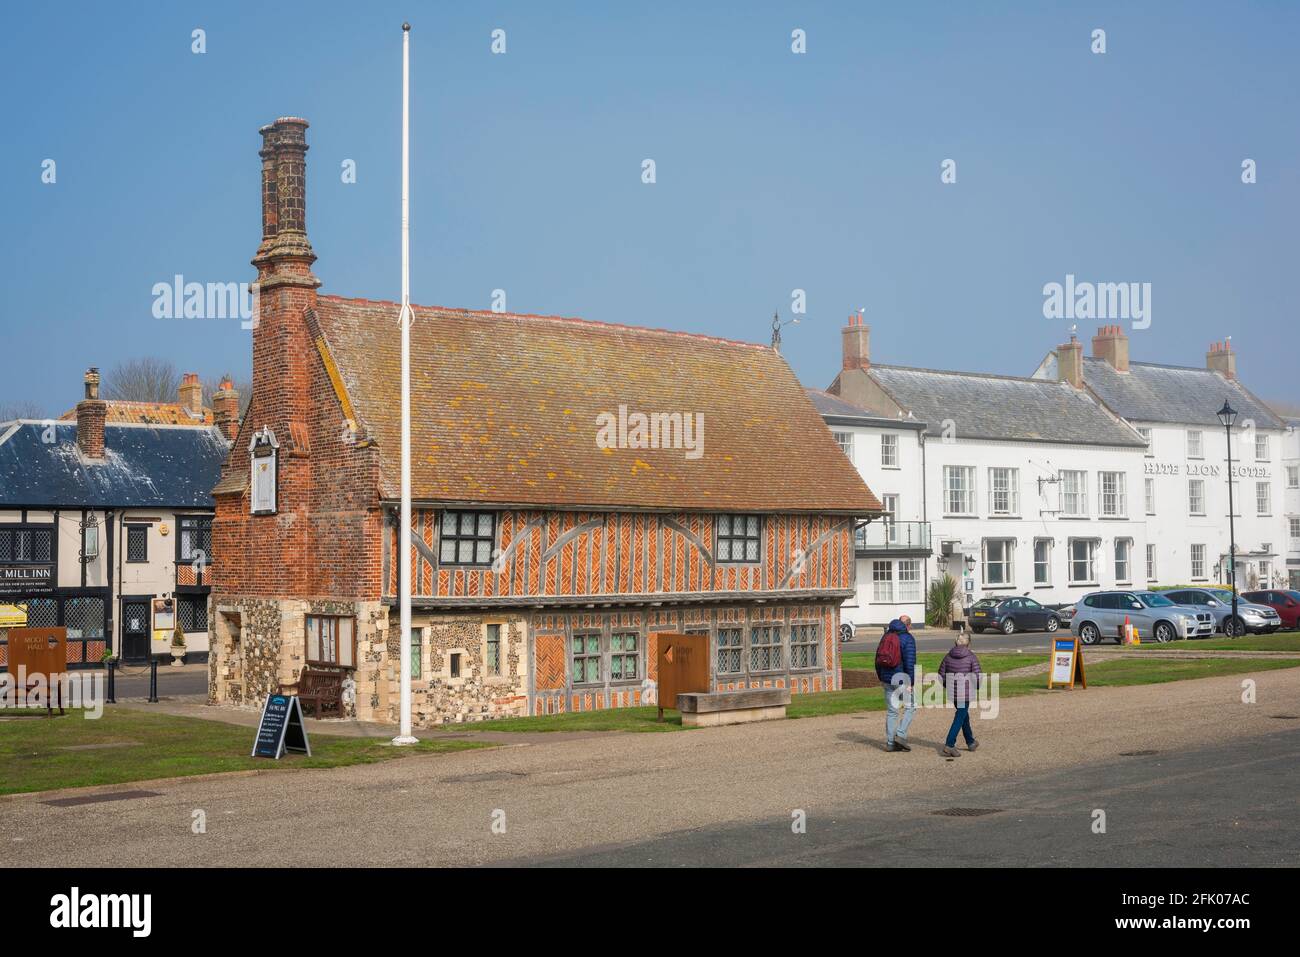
(907, 647)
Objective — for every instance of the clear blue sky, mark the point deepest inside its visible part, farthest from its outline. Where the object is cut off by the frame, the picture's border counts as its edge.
(775, 171)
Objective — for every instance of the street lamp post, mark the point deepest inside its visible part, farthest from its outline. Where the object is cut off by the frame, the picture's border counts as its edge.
(1228, 416)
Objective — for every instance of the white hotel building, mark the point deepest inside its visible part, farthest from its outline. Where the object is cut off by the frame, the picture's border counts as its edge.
(1092, 473)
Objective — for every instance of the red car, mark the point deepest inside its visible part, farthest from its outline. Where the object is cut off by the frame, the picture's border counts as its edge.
(1285, 603)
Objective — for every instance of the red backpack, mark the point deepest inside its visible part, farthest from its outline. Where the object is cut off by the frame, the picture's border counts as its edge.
(889, 652)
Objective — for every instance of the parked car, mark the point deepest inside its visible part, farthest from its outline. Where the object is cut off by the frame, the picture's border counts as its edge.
(1101, 614)
(1009, 615)
(1251, 616)
(1285, 603)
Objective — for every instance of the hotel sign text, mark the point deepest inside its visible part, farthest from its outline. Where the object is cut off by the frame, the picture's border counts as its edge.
(26, 579)
(1201, 470)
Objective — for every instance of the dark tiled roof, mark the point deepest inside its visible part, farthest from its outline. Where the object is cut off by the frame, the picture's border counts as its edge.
(1158, 393)
(833, 407)
(143, 467)
(504, 410)
(1003, 407)
(124, 412)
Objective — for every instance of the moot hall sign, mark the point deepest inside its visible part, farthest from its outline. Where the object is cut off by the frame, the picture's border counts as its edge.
(545, 563)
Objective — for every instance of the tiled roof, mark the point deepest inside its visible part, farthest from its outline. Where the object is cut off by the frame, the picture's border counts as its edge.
(505, 407)
(143, 467)
(123, 412)
(984, 406)
(1182, 394)
(833, 407)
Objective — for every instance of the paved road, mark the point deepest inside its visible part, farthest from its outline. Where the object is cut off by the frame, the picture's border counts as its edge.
(1220, 791)
(132, 681)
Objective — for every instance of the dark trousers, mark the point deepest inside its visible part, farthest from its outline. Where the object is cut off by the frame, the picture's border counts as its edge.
(961, 720)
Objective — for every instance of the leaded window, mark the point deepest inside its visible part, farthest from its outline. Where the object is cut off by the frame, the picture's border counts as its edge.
(467, 538)
(26, 545)
(765, 648)
(586, 659)
(137, 543)
(738, 538)
(804, 644)
(195, 538)
(494, 649)
(84, 617)
(624, 656)
(192, 612)
(730, 642)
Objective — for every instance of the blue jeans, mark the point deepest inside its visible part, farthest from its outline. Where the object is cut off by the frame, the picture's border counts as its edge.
(961, 720)
(894, 727)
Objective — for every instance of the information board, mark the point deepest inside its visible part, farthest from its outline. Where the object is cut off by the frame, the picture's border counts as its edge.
(281, 728)
(1067, 664)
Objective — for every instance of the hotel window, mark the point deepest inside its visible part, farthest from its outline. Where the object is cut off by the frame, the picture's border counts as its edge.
(1295, 528)
(467, 538)
(1293, 476)
(195, 538)
(586, 659)
(730, 641)
(137, 543)
(765, 648)
(1261, 448)
(1265, 572)
(624, 656)
(1263, 498)
(845, 441)
(889, 451)
(738, 538)
(1195, 447)
(26, 545)
(1074, 494)
(909, 580)
(803, 644)
(1196, 496)
(1198, 561)
(959, 489)
(331, 640)
(1083, 561)
(1151, 496)
(890, 518)
(493, 649)
(1004, 491)
(1114, 498)
(998, 553)
(1151, 563)
(1123, 559)
(1042, 561)
(1145, 432)
(882, 581)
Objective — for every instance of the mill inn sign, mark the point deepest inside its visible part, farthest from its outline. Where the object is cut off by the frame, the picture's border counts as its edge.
(1200, 469)
(26, 579)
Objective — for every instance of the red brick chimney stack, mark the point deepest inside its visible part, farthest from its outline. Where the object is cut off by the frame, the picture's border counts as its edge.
(285, 254)
(1111, 343)
(225, 409)
(191, 394)
(856, 341)
(1222, 359)
(91, 413)
(1069, 362)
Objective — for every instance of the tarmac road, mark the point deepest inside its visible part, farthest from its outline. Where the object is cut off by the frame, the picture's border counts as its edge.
(1220, 791)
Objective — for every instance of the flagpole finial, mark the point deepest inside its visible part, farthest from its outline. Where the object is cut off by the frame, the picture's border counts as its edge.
(406, 28)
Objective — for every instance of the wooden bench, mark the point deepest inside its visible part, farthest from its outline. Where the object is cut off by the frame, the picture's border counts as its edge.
(712, 708)
(320, 693)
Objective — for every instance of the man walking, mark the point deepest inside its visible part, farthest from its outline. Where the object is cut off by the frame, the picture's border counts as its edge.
(896, 669)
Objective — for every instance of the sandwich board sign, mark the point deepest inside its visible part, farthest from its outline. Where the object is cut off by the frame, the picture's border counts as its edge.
(281, 728)
(1067, 664)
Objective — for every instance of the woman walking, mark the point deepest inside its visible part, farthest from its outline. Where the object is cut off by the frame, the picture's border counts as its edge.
(960, 673)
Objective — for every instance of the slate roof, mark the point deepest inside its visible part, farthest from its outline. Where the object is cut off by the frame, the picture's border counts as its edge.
(143, 467)
(1150, 392)
(832, 407)
(983, 406)
(505, 407)
(124, 412)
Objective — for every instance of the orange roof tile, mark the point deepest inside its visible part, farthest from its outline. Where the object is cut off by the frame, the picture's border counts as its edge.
(124, 412)
(505, 410)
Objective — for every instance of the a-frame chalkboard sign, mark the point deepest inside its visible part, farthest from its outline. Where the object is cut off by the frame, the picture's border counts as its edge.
(281, 728)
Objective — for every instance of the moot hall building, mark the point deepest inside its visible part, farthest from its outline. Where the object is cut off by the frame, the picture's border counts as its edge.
(545, 562)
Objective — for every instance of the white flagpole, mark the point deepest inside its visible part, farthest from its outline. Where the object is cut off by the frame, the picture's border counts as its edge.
(404, 320)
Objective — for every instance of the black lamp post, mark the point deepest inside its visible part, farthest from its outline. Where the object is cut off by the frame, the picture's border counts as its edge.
(1228, 415)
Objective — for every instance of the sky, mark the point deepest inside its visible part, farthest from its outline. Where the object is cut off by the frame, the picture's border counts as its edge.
(775, 172)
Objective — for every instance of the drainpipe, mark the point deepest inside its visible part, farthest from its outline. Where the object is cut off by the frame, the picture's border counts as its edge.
(110, 619)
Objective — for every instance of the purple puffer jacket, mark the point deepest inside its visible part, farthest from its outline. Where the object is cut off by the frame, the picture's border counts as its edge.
(960, 673)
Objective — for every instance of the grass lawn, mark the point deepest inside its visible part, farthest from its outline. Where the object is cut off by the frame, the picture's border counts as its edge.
(929, 660)
(1282, 641)
(35, 755)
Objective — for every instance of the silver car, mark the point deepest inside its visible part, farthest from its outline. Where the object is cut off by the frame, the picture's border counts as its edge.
(1251, 616)
(1102, 615)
